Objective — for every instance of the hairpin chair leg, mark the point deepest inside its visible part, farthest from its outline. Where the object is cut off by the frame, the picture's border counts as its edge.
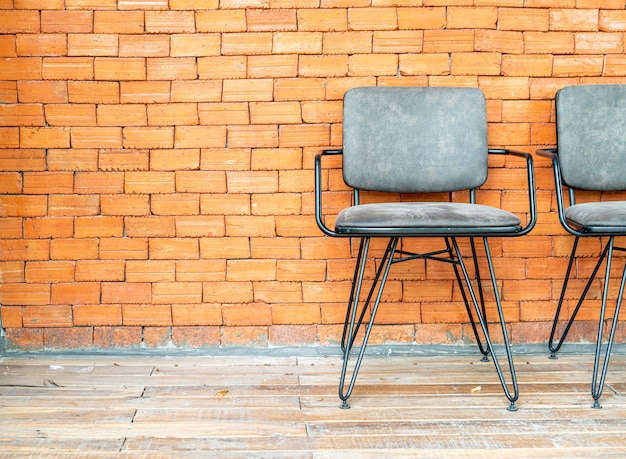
(597, 386)
(554, 348)
(512, 397)
(352, 325)
(481, 348)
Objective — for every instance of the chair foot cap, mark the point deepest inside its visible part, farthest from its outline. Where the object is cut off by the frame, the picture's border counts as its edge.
(345, 406)
(512, 407)
(596, 405)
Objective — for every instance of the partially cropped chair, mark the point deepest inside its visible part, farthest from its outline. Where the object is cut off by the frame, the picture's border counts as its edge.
(419, 140)
(590, 155)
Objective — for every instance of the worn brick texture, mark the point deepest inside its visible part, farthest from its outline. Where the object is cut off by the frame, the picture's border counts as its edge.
(156, 163)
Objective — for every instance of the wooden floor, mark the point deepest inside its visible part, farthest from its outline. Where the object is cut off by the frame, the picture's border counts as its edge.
(285, 406)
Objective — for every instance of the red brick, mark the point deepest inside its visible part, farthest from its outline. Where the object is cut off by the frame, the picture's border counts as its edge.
(227, 292)
(200, 226)
(99, 226)
(49, 271)
(148, 137)
(150, 271)
(174, 248)
(126, 22)
(19, 294)
(47, 316)
(151, 226)
(21, 68)
(125, 292)
(125, 205)
(224, 247)
(246, 314)
(96, 315)
(73, 249)
(73, 205)
(23, 206)
(97, 92)
(200, 270)
(99, 270)
(124, 248)
(196, 314)
(42, 45)
(19, 21)
(176, 292)
(48, 227)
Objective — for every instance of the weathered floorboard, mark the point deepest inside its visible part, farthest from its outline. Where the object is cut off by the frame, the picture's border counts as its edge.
(448, 406)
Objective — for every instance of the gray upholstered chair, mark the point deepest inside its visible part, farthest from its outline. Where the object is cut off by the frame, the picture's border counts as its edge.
(419, 140)
(590, 155)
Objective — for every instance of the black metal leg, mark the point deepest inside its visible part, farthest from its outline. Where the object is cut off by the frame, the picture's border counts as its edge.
(483, 323)
(596, 387)
(481, 348)
(554, 348)
(351, 328)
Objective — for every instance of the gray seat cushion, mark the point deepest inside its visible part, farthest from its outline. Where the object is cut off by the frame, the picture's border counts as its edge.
(601, 217)
(425, 217)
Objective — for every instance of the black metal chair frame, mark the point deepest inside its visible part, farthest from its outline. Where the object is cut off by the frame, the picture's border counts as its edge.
(555, 344)
(473, 297)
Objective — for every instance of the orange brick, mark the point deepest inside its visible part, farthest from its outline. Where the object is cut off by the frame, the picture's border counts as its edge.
(73, 205)
(252, 182)
(519, 111)
(260, 135)
(9, 137)
(570, 19)
(224, 113)
(173, 114)
(49, 92)
(196, 314)
(472, 18)
(37, 137)
(215, 159)
(22, 115)
(99, 270)
(49, 271)
(125, 205)
(99, 226)
(436, 41)
(144, 46)
(123, 248)
(200, 182)
(99, 182)
(200, 270)
(11, 317)
(67, 68)
(323, 65)
(296, 181)
(499, 41)
(569, 66)
(149, 182)
(151, 226)
(224, 204)
(174, 248)
(200, 136)
(105, 44)
(224, 20)
(248, 225)
(48, 182)
(259, 20)
(47, 316)
(176, 292)
(7, 46)
(170, 21)
(535, 66)
(598, 43)
(150, 271)
(96, 137)
(42, 45)
(224, 247)
(174, 160)
(148, 137)
(194, 226)
(220, 67)
(98, 92)
(21, 68)
(67, 21)
(254, 270)
(227, 292)
(398, 41)
(356, 42)
(122, 22)
(75, 293)
(300, 89)
(25, 294)
(296, 225)
(96, 315)
(19, 21)
(276, 204)
(300, 270)
(119, 68)
(74, 249)
(70, 114)
(246, 314)
(277, 158)
(122, 115)
(146, 315)
(422, 18)
(297, 43)
(372, 64)
(526, 19)
(142, 4)
(23, 206)
(175, 204)
(283, 248)
(125, 292)
(116, 160)
(183, 45)
(323, 19)
(273, 66)
(10, 182)
(196, 91)
(425, 64)
(48, 227)
(304, 135)
(175, 68)
(612, 21)
(11, 228)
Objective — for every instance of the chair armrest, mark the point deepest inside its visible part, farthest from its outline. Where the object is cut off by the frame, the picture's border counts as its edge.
(548, 152)
(532, 194)
(318, 191)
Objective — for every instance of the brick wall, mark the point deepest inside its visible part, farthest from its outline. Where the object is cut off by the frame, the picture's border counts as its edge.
(156, 161)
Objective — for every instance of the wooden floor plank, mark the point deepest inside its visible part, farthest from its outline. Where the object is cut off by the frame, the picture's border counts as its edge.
(287, 407)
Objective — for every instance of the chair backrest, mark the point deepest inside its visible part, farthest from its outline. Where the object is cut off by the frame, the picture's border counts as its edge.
(591, 136)
(414, 139)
